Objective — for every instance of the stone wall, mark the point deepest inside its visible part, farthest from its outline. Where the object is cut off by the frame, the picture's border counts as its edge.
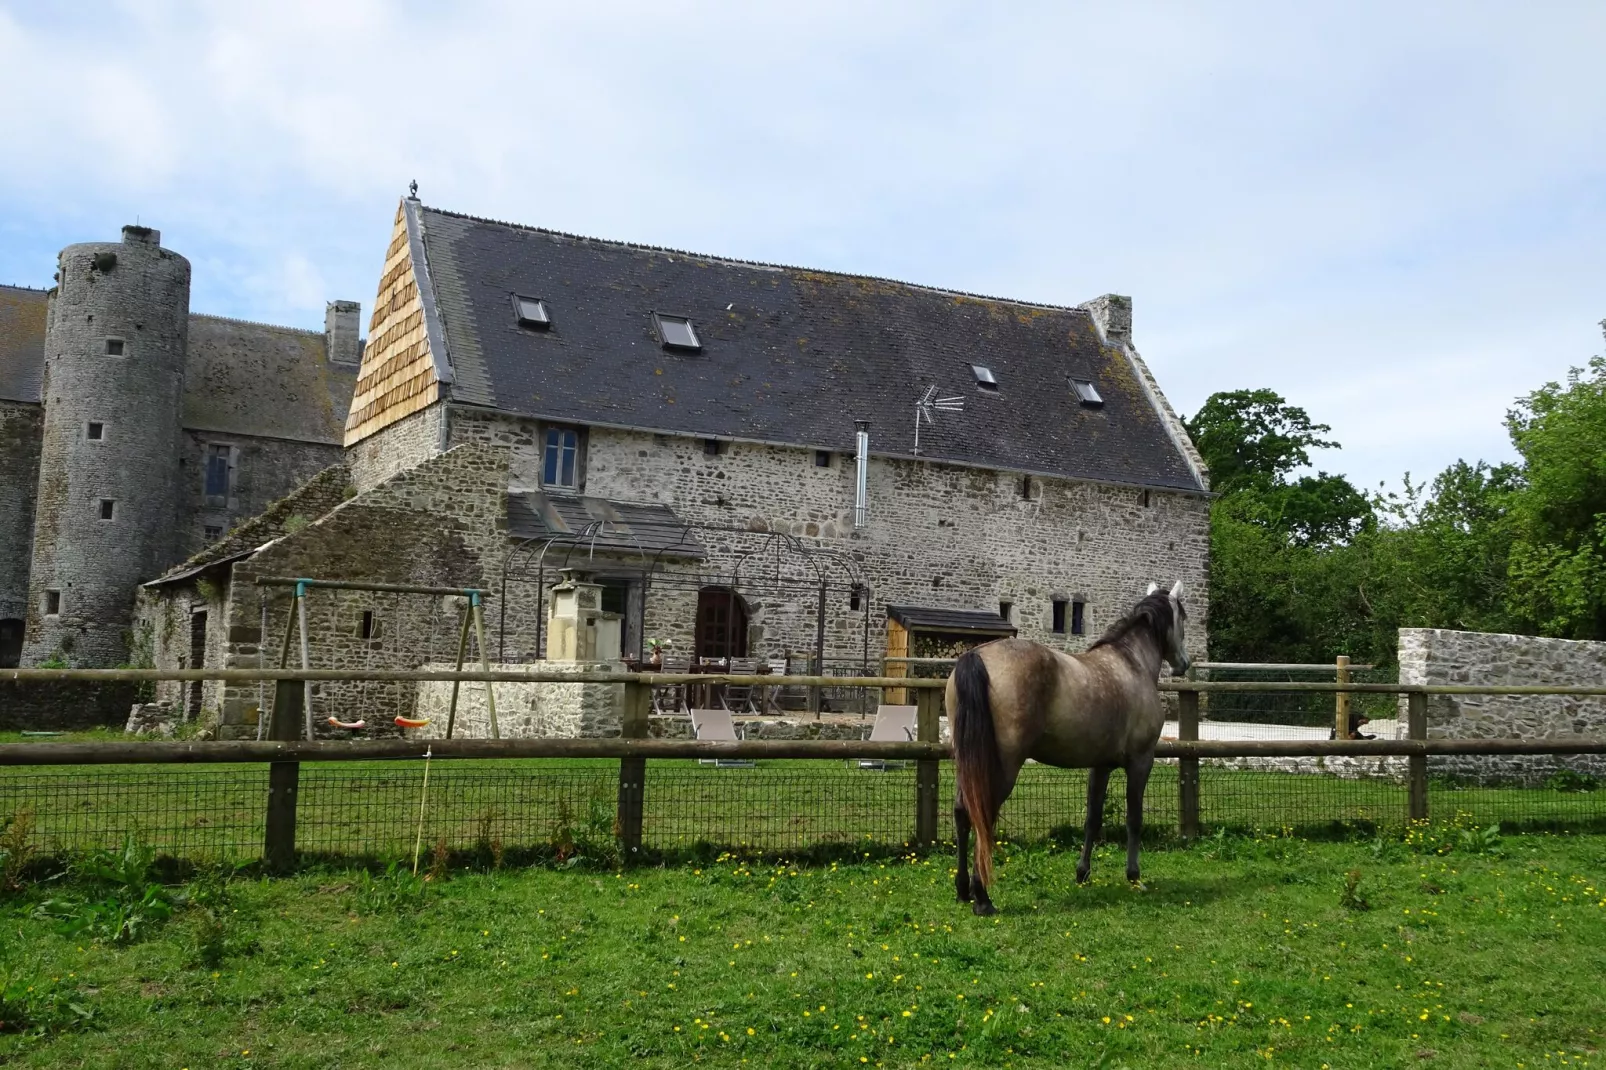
(939, 535)
(20, 428)
(1441, 656)
(535, 710)
(404, 444)
(265, 470)
(69, 706)
(435, 525)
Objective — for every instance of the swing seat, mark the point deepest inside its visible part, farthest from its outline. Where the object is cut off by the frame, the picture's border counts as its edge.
(411, 722)
(350, 726)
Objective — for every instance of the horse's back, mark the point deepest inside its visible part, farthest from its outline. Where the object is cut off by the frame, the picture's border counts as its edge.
(1099, 713)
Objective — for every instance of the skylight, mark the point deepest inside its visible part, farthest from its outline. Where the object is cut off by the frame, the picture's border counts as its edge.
(984, 377)
(531, 312)
(1086, 393)
(677, 332)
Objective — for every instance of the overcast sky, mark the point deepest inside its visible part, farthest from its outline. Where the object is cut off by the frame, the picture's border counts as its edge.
(1391, 213)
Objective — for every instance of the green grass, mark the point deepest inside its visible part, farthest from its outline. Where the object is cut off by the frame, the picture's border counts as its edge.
(1449, 948)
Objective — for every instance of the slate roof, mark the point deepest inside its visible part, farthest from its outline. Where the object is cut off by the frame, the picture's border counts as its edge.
(240, 378)
(924, 619)
(22, 342)
(788, 355)
(596, 523)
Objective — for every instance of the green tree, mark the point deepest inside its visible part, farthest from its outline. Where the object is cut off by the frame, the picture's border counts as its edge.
(1556, 578)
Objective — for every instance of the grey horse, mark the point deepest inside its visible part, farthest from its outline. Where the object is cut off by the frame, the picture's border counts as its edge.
(1011, 699)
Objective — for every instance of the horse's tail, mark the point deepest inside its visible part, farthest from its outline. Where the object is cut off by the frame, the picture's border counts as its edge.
(976, 764)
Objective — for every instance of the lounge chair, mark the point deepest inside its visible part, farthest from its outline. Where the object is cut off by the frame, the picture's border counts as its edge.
(716, 725)
(893, 724)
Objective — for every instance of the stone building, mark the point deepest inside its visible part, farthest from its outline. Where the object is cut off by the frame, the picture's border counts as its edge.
(685, 430)
(133, 432)
(727, 449)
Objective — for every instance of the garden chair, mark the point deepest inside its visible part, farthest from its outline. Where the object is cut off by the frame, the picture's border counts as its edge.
(893, 724)
(716, 725)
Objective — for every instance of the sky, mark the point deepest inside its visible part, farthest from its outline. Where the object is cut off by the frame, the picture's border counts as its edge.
(1390, 213)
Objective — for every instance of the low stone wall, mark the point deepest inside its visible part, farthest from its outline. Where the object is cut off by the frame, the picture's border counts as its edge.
(65, 706)
(525, 710)
(1442, 656)
(673, 727)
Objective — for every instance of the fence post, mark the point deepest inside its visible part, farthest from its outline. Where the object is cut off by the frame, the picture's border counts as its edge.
(928, 708)
(284, 724)
(1416, 706)
(1188, 767)
(633, 771)
(1341, 699)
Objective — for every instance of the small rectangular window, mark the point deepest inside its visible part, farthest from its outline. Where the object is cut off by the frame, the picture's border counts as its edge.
(1006, 610)
(822, 458)
(711, 447)
(984, 377)
(368, 624)
(216, 473)
(677, 332)
(96, 431)
(1026, 488)
(52, 603)
(855, 596)
(1059, 616)
(213, 532)
(1145, 499)
(531, 312)
(1086, 393)
(115, 347)
(559, 460)
(1078, 618)
(108, 508)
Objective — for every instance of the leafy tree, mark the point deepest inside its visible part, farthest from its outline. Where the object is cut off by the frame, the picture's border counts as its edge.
(1253, 438)
(1557, 570)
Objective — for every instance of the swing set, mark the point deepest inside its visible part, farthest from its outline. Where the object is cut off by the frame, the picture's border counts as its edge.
(472, 615)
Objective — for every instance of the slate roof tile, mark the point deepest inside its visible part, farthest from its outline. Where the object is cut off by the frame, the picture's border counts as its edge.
(788, 355)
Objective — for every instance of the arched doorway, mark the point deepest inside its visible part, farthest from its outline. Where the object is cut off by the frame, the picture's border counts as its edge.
(721, 624)
(10, 643)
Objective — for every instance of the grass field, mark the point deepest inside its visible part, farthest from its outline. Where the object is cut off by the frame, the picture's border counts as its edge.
(1447, 946)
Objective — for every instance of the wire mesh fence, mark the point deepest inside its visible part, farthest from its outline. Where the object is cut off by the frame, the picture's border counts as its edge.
(372, 809)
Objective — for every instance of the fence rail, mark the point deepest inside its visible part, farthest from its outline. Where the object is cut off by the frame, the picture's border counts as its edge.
(322, 802)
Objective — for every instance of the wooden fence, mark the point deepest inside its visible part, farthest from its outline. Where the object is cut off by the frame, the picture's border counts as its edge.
(285, 751)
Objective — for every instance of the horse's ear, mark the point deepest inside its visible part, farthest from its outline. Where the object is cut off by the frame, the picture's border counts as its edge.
(1176, 590)
(1152, 588)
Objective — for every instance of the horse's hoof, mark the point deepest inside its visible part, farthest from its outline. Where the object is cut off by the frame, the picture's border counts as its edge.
(1081, 876)
(963, 895)
(983, 909)
(1137, 885)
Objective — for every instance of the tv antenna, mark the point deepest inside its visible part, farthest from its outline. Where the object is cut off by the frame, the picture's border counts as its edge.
(929, 405)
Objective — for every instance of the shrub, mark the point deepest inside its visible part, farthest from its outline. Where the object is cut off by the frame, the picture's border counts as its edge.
(132, 902)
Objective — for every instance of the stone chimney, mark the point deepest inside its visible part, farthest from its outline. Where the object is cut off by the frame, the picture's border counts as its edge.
(134, 235)
(577, 627)
(341, 327)
(1112, 315)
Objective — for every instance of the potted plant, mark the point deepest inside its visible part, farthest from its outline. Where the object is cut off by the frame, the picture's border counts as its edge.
(655, 652)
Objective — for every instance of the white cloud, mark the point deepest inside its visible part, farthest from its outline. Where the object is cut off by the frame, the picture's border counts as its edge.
(1389, 213)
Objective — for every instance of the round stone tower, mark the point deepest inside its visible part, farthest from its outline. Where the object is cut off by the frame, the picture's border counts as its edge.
(109, 486)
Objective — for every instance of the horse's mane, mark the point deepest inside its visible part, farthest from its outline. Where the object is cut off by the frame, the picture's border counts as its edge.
(1153, 614)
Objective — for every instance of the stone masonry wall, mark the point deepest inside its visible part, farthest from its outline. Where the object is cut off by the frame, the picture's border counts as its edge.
(404, 444)
(265, 470)
(21, 426)
(526, 710)
(434, 525)
(939, 535)
(1441, 656)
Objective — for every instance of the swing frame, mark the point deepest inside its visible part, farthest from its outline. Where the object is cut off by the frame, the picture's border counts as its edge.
(296, 622)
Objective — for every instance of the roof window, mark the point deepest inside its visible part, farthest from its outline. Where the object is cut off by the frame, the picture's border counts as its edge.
(676, 332)
(531, 312)
(1086, 393)
(984, 377)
